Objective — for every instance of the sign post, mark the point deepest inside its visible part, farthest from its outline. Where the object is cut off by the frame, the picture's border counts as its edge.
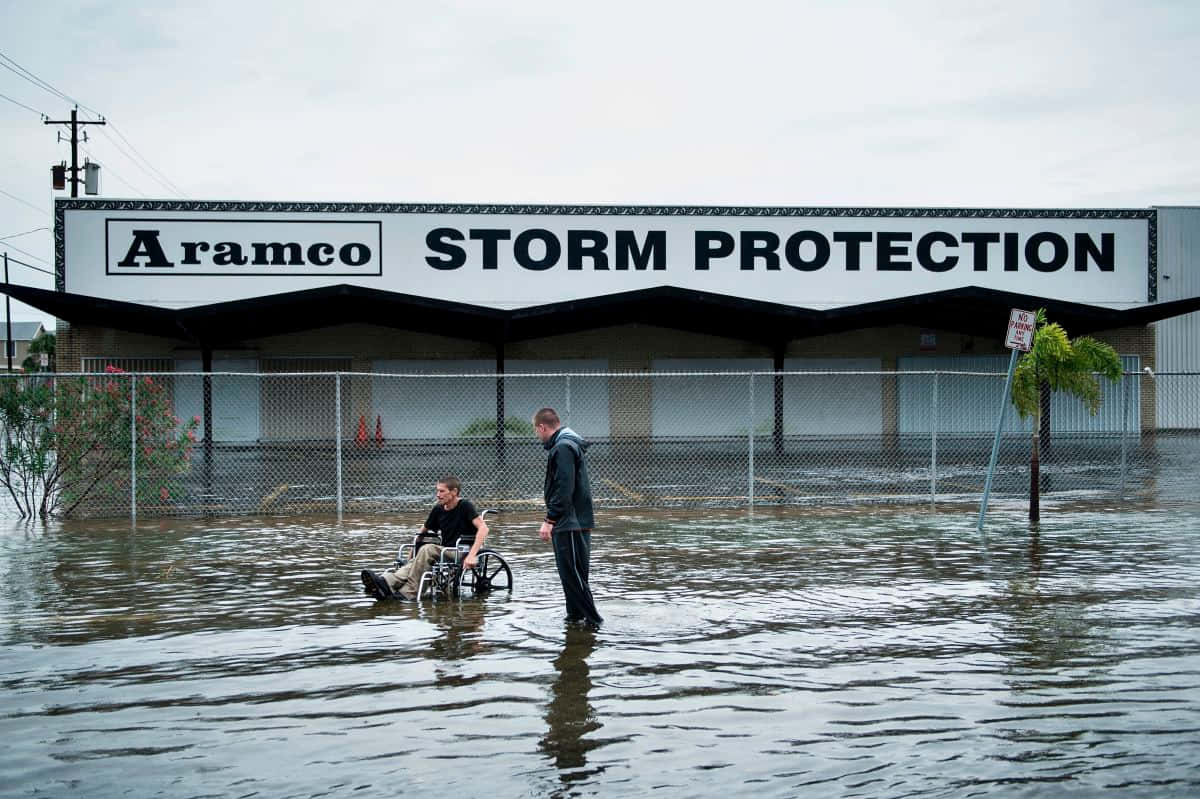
(1021, 327)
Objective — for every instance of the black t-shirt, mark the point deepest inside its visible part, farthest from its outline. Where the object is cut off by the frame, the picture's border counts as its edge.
(453, 524)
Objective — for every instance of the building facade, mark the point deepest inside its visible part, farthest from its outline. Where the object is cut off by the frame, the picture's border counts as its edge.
(381, 290)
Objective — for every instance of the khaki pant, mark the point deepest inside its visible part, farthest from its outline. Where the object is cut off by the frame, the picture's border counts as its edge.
(407, 579)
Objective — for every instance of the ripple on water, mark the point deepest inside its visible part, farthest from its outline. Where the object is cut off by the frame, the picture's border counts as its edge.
(879, 654)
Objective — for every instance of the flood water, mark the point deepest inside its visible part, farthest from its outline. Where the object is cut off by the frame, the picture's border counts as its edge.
(866, 654)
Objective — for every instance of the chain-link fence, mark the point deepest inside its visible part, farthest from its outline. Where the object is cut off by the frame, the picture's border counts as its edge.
(176, 443)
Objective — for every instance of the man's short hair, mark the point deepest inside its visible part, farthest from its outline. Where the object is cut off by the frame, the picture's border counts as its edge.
(548, 417)
(451, 482)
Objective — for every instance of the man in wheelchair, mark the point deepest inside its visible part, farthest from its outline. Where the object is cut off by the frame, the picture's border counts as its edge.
(455, 518)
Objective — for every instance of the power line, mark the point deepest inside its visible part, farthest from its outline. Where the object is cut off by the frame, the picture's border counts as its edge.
(12, 260)
(35, 80)
(23, 233)
(165, 180)
(170, 187)
(18, 102)
(112, 173)
(12, 246)
(23, 202)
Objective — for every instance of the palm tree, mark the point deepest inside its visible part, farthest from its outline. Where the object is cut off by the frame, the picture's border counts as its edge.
(1073, 366)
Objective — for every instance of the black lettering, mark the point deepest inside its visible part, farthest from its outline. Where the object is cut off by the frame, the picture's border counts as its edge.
(1012, 250)
(586, 244)
(711, 244)
(925, 252)
(821, 250)
(1085, 247)
(317, 253)
(655, 249)
(549, 243)
(277, 254)
(227, 253)
(980, 254)
(354, 254)
(853, 240)
(145, 245)
(438, 240)
(189, 251)
(759, 244)
(1059, 254)
(887, 247)
(489, 237)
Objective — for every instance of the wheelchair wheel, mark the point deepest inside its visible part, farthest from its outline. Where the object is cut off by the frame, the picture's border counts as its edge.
(490, 573)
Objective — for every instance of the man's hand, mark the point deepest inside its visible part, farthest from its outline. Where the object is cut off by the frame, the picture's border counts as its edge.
(545, 530)
(470, 561)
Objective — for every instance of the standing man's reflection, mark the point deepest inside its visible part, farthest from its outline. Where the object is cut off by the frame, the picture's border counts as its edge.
(569, 717)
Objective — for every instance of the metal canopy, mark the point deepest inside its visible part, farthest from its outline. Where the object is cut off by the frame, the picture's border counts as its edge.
(970, 311)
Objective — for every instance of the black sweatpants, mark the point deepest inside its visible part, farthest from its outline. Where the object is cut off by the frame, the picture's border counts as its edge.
(572, 553)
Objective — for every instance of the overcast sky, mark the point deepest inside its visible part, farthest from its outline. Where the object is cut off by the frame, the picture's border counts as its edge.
(916, 103)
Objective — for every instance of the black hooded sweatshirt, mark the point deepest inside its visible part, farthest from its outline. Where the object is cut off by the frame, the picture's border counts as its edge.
(568, 489)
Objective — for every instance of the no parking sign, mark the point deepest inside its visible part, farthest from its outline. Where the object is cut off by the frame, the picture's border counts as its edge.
(1021, 325)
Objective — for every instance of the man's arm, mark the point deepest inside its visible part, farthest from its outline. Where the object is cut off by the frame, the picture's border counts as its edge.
(428, 525)
(481, 534)
(562, 489)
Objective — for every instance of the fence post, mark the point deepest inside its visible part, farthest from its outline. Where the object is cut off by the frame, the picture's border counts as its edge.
(501, 409)
(132, 448)
(568, 409)
(1124, 431)
(337, 447)
(207, 365)
(750, 488)
(933, 446)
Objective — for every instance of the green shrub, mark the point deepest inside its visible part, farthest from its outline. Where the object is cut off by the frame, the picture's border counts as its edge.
(486, 428)
(68, 439)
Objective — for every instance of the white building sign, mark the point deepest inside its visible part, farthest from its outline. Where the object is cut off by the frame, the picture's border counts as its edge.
(175, 255)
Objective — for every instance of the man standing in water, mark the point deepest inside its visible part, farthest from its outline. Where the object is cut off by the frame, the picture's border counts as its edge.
(569, 518)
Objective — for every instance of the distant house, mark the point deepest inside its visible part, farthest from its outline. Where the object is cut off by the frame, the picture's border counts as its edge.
(23, 334)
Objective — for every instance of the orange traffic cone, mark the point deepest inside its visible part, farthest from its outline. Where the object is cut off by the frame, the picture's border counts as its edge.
(378, 431)
(361, 438)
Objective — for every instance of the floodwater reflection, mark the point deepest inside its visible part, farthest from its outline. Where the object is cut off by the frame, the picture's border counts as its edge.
(785, 653)
(570, 716)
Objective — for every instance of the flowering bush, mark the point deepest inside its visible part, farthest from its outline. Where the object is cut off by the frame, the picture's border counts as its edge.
(66, 440)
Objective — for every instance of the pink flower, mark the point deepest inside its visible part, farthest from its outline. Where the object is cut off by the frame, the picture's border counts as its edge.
(191, 435)
(195, 420)
(147, 450)
(113, 370)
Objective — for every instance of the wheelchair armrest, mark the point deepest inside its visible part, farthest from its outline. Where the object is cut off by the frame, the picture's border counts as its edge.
(407, 551)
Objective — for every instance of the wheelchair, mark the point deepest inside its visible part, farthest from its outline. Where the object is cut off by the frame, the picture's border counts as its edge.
(446, 577)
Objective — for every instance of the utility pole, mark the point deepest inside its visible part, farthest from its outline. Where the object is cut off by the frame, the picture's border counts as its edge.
(74, 122)
(8, 342)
